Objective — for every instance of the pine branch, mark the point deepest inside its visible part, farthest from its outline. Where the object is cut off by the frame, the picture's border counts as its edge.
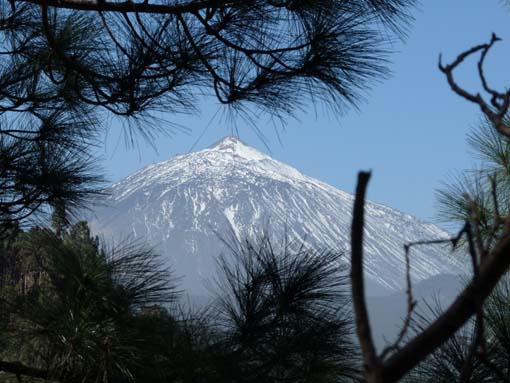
(132, 6)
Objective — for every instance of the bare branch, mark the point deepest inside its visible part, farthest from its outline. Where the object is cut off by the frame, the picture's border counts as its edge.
(481, 73)
(411, 304)
(500, 102)
(491, 270)
(131, 6)
(370, 358)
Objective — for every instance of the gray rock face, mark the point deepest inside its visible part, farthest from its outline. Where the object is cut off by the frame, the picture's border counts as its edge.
(185, 205)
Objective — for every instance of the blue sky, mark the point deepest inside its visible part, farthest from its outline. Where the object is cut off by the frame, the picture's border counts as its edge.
(410, 130)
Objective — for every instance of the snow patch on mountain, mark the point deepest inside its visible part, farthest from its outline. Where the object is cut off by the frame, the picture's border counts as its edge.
(186, 206)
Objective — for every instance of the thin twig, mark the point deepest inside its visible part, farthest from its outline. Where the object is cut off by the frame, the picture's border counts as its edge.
(458, 313)
(411, 304)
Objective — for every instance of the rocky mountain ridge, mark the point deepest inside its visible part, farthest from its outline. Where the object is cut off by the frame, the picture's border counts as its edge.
(188, 205)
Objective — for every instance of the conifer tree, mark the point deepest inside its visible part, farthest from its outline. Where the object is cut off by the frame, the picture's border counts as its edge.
(66, 65)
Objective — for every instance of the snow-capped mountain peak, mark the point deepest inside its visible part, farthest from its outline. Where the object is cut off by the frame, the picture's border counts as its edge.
(238, 148)
(183, 204)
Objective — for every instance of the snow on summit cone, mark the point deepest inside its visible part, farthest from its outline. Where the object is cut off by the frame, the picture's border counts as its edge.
(184, 205)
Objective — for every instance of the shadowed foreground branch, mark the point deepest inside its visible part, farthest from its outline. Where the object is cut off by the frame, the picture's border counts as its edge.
(491, 269)
(371, 362)
(66, 65)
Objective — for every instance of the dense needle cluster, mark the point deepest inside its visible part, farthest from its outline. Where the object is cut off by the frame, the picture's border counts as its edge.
(65, 63)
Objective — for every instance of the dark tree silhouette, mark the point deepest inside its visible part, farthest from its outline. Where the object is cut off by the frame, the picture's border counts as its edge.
(75, 311)
(71, 308)
(136, 56)
(65, 63)
(488, 189)
(285, 315)
(488, 245)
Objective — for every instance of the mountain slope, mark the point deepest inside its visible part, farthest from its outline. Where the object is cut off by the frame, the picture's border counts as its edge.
(186, 204)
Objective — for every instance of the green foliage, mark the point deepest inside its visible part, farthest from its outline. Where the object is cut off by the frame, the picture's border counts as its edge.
(72, 307)
(44, 163)
(482, 197)
(285, 315)
(85, 313)
(485, 191)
